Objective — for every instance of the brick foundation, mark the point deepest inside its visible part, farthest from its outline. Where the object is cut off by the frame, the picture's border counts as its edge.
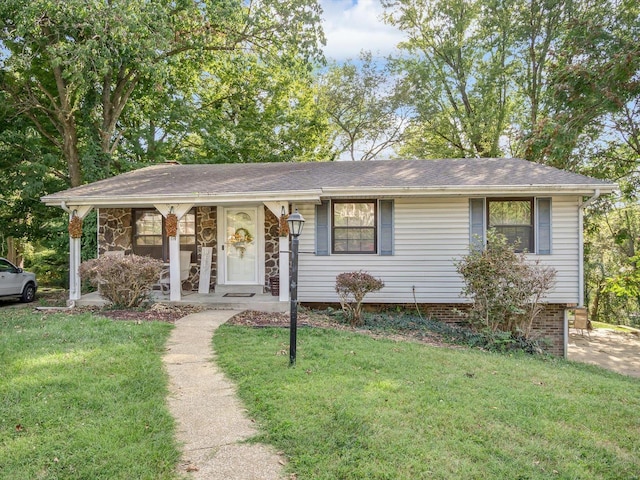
(549, 324)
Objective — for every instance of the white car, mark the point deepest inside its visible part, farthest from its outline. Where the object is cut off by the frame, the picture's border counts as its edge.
(15, 282)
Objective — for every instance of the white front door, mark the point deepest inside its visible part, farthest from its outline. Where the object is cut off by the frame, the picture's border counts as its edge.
(241, 245)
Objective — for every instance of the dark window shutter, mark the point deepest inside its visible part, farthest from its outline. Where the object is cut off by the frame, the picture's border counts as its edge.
(322, 228)
(476, 221)
(543, 227)
(386, 227)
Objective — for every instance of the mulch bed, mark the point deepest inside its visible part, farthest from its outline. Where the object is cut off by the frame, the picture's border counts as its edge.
(158, 312)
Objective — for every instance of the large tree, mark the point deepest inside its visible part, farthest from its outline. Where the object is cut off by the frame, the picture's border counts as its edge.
(241, 109)
(367, 107)
(458, 62)
(594, 88)
(73, 66)
(532, 78)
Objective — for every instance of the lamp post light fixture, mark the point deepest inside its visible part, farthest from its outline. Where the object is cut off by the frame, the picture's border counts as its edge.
(296, 222)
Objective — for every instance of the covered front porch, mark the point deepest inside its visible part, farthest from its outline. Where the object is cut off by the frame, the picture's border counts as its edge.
(214, 228)
(219, 269)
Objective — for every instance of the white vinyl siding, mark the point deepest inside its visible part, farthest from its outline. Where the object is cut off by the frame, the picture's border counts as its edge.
(429, 235)
(565, 250)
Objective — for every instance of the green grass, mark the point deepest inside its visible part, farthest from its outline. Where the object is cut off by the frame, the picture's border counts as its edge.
(359, 408)
(83, 397)
(609, 326)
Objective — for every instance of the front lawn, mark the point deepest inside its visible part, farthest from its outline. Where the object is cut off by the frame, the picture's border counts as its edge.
(83, 397)
(356, 407)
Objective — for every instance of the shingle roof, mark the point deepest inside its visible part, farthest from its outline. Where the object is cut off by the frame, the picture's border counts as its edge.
(205, 180)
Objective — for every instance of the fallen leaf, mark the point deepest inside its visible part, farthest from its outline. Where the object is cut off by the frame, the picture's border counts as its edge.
(19, 428)
(192, 468)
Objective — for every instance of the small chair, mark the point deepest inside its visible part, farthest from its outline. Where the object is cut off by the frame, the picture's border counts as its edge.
(581, 321)
(185, 268)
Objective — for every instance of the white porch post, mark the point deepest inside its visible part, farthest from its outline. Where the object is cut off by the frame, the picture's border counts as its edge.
(283, 251)
(175, 294)
(283, 259)
(74, 264)
(75, 290)
(175, 285)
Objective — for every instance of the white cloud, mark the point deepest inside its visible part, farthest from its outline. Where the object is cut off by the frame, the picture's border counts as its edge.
(353, 26)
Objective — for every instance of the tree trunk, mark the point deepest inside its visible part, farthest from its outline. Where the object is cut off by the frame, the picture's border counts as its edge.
(71, 154)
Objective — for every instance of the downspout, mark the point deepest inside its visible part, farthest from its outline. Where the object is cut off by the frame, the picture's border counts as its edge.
(581, 208)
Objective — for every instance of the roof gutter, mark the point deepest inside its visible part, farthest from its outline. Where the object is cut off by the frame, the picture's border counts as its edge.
(476, 190)
(196, 199)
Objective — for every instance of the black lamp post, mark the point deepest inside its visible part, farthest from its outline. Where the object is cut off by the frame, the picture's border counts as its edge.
(296, 222)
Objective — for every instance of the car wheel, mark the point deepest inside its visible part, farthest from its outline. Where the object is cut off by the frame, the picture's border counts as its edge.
(29, 293)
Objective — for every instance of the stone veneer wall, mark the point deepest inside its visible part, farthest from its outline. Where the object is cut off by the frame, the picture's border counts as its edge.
(271, 246)
(115, 230)
(206, 236)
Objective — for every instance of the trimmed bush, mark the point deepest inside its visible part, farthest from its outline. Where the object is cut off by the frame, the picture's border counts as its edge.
(506, 287)
(125, 281)
(352, 288)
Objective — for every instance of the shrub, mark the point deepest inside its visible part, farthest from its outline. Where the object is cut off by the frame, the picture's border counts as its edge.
(125, 281)
(506, 288)
(352, 288)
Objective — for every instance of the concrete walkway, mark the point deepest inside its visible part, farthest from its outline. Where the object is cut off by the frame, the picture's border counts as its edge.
(212, 422)
(617, 351)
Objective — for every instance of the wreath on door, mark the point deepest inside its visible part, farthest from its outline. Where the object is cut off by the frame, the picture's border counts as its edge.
(240, 239)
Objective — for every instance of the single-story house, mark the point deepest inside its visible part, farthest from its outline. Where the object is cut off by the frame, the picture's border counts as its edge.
(404, 221)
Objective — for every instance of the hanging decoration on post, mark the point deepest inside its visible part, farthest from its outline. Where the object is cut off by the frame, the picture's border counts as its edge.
(283, 227)
(75, 226)
(171, 224)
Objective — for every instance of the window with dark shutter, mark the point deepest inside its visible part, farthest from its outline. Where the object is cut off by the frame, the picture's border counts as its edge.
(354, 226)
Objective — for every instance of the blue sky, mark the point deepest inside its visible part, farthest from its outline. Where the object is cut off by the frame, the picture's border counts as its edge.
(354, 25)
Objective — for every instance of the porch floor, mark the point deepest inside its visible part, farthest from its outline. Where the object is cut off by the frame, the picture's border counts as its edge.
(263, 302)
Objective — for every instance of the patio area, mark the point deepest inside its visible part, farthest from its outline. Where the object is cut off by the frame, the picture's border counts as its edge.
(264, 302)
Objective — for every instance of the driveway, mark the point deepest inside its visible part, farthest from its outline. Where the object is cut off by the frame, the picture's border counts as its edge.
(617, 351)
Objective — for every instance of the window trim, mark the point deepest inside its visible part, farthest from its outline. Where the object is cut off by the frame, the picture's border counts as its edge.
(532, 221)
(165, 241)
(375, 227)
